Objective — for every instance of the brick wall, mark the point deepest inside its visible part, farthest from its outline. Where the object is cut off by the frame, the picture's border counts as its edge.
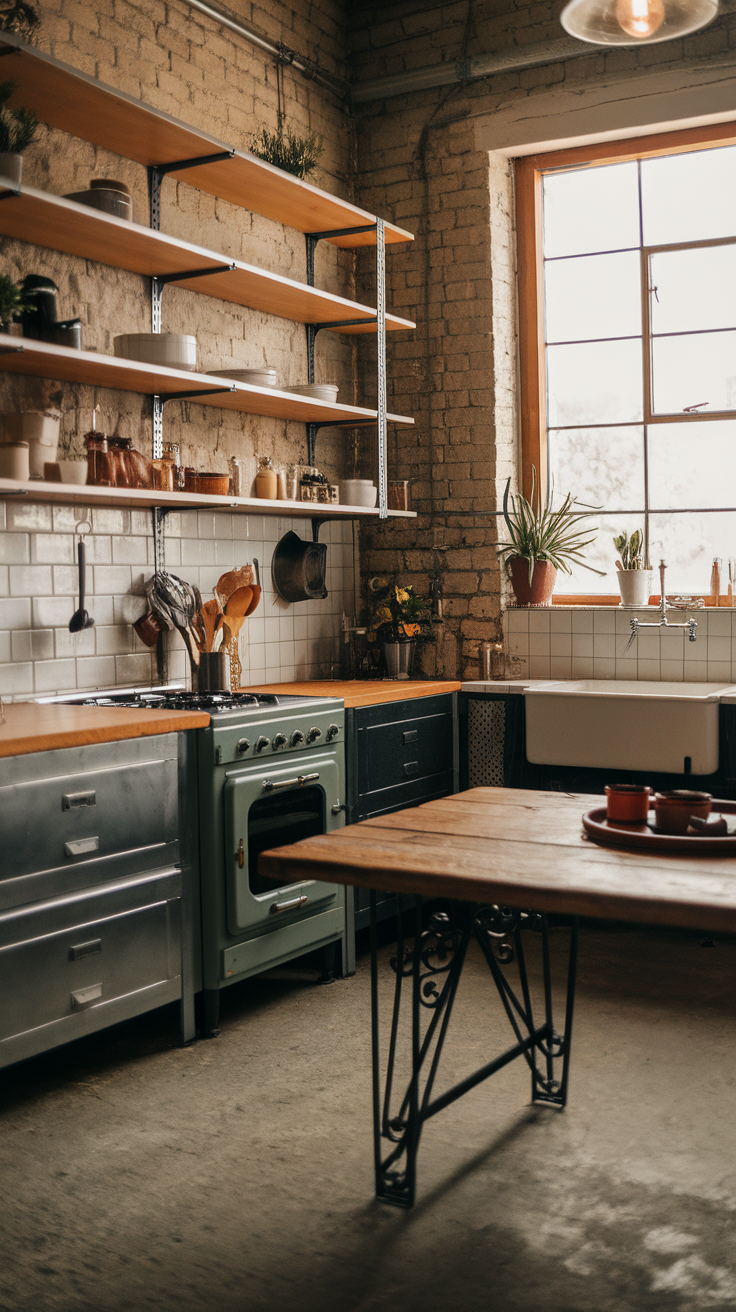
(418, 159)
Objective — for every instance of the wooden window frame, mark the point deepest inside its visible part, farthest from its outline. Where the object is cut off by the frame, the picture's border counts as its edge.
(529, 170)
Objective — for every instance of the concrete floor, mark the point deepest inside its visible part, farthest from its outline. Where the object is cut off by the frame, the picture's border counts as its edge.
(235, 1175)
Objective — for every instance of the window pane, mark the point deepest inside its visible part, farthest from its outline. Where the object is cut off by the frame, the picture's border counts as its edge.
(596, 383)
(689, 197)
(601, 467)
(688, 543)
(601, 554)
(694, 289)
(593, 209)
(692, 465)
(693, 371)
(596, 296)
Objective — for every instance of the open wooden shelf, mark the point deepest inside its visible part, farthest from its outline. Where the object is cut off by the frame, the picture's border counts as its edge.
(22, 355)
(81, 495)
(66, 98)
(64, 225)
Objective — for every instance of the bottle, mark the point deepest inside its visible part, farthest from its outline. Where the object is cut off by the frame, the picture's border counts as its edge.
(99, 464)
(266, 480)
(715, 581)
(120, 469)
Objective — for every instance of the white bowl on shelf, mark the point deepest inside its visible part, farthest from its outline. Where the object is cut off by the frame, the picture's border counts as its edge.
(358, 492)
(317, 391)
(73, 471)
(256, 377)
(168, 350)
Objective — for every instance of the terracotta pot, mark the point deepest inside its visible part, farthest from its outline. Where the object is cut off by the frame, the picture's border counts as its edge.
(542, 585)
(674, 808)
(628, 803)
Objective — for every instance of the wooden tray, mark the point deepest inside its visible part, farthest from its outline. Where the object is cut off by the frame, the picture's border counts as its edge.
(644, 837)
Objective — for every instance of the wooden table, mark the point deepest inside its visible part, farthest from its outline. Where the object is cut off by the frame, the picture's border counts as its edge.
(507, 860)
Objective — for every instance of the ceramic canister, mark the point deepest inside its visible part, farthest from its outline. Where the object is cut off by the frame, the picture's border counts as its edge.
(14, 461)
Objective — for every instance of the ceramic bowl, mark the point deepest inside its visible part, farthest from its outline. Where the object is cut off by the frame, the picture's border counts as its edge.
(628, 803)
(216, 485)
(672, 809)
(317, 391)
(358, 492)
(256, 377)
(169, 350)
(72, 471)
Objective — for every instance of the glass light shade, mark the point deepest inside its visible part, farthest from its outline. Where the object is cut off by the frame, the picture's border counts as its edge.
(635, 22)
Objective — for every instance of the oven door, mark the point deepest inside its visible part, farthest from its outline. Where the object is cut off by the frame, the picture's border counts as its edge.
(266, 806)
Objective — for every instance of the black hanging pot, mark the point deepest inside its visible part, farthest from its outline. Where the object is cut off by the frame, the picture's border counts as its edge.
(298, 569)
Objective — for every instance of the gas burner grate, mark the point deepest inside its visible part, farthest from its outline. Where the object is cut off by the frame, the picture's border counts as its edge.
(213, 702)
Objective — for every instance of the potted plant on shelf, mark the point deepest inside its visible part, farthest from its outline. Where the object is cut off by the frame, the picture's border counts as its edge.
(400, 620)
(296, 155)
(634, 581)
(541, 541)
(17, 130)
(12, 301)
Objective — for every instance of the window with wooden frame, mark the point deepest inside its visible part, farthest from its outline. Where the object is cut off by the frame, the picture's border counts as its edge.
(627, 329)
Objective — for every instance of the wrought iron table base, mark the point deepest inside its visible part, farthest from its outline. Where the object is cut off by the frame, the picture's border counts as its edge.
(432, 965)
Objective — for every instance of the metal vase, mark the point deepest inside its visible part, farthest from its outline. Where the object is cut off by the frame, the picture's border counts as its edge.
(213, 674)
(399, 658)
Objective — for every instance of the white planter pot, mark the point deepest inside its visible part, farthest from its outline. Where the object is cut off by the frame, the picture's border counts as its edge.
(11, 171)
(634, 586)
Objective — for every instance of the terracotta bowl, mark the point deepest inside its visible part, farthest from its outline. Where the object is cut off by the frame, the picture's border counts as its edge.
(628, 803)
(217, 485)
(673, 809)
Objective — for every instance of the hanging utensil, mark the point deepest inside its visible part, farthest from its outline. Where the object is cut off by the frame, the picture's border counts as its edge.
(80, 619)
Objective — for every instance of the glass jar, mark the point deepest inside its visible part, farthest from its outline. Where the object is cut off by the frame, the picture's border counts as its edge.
(162, 475)
(121, 471)
(172, 451)
(266, 479)
(140, 466)
(99, 465)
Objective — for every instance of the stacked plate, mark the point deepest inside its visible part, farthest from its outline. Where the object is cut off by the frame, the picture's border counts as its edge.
(317, 391)
(168, 350)
(256, 377)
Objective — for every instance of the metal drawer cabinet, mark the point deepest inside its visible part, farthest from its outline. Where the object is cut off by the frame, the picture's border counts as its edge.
(72, 965)
(79, 816)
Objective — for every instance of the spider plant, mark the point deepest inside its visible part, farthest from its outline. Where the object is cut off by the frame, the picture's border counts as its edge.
(537, 532)
(630, 549)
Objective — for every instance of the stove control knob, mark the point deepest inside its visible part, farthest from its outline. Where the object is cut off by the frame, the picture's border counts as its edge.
(332, 732)
(262, 742)
(313, 735)
(242, 746)
(297, 738)
(280, 740)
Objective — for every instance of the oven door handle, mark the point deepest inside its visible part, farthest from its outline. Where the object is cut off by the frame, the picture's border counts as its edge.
(299, 782)
(293, 904)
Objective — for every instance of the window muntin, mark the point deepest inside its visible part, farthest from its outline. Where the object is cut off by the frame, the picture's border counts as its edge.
(640, 354)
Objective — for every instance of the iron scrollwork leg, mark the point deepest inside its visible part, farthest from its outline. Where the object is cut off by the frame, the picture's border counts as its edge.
(431, 964)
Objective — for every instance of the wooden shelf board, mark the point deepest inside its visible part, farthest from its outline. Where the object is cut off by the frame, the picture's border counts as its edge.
(81, 495)
(42, 360)
(66, 98)
(64, 225)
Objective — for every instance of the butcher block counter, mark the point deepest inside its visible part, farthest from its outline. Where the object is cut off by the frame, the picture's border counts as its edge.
(362, 692)
(34, 727)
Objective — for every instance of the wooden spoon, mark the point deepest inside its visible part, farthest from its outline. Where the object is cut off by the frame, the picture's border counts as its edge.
(238, 602)
(254, 599)
(234, 578)
(212, 618)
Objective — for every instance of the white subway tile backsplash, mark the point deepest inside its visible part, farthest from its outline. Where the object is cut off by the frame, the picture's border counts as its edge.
(96, 672)
(52, 548)
(604, 646)
(560, 644)
(132, 669)
(719, 625)
(604, 668)
(129, 551)
(54, 676)
(582, 645)
(604, 621)
(74, 644)
(29, 517)
(539, 644)
(15, 548)
(719, 649)
(719, 671)
(672, 671)
(112, 579)
(4, 581)
(649, 669)
(16, 679)
(30, 580)
(105, 520)
(53, 612)
(15, 613)
(582, 621)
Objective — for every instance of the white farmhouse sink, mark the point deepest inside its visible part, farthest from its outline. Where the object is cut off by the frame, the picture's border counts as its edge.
(622, 724)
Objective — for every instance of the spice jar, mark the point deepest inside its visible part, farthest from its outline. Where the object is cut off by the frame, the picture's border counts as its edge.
(99, 465)
(266, 479)
(171, 451)
(236, 476)
(162, 475)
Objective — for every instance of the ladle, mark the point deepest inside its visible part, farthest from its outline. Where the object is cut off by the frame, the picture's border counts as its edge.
(80, 619)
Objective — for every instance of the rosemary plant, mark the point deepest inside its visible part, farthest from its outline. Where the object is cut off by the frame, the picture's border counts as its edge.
(17, 126)
(537, 532)
(296, 155)
(12, 299)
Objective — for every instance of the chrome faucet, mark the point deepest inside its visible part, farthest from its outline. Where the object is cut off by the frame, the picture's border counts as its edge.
(662, 623)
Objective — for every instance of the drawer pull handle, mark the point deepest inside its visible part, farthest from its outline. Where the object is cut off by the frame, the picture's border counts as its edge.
(411, 767)
(80, 846)
(410, 735)
(85, 949)
(71, 801)
(240, 854)
(83, 997)
(299, 782)
(292, 905)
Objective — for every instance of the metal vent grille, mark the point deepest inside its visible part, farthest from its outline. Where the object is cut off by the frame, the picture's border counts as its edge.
(486, 733)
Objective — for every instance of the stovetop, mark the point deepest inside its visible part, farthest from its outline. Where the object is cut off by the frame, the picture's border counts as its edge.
(220, 704)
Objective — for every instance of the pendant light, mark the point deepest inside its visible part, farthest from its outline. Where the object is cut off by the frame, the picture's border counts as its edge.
(635, 22)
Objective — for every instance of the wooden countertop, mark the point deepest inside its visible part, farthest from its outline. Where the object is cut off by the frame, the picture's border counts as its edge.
(30, 727)
(516, 848)
(362, 692)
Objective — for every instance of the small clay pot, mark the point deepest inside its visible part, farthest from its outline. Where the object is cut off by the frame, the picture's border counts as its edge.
(539, 593)
(628, 803)
(672, 809)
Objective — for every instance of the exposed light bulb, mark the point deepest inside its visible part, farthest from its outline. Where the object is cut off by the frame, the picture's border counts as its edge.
(640, 18)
